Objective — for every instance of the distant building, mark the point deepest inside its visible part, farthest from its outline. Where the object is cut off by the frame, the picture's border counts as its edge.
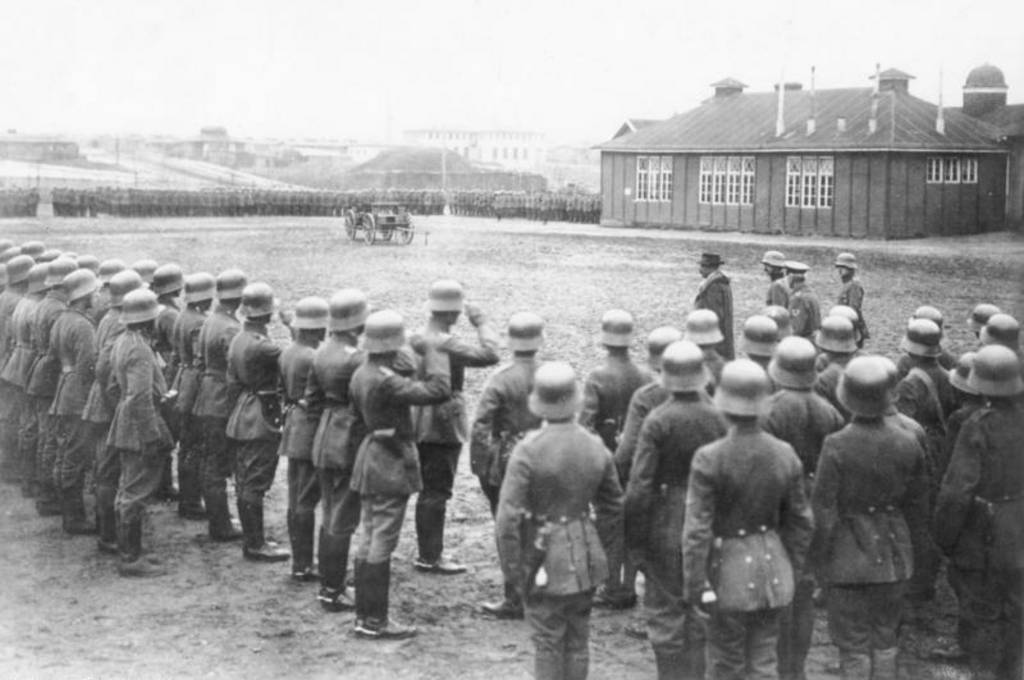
(872, 162)
(37, 149)
(508, 149)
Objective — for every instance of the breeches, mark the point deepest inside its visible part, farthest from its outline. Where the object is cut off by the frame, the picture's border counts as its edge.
(381, 518)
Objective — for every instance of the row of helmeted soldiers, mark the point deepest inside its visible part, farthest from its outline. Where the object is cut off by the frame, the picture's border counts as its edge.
(735, 487)
(19, 202)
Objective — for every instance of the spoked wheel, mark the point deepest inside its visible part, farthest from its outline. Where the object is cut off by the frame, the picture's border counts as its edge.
(369, 229)
(405, 234)
(386, 233)
(350, 224)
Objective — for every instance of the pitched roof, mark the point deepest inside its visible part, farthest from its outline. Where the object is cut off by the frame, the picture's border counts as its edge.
(746, 122)
(631, 125)
(1008, 119)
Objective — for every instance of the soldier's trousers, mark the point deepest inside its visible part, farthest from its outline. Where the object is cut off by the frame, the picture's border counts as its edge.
(381, 518)
(741, 645)
(107, 474)
(341, 510)
(863, 620)
(438, 463)
(991, 603)
(10, 465)
(76, 449)
(47, 447)
(303, 495)
(492, 493)
(255, 467)
(140, 478)
(560, 628)
(796, 626)
(31, 467)
(190, 458)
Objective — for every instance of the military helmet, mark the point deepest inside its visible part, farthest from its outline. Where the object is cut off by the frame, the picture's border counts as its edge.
(682, 367)
(1001, 329)
(33, 249)
(5, 243)
(257, 300)
(79, 283)
(555, 394)
(760, 336)
(960, 374)
(923, 339)
(864, 388)
(445, 295)
(199, 287)
(774, 258)
(58, 269)
(48, 255)
(146, 268)
(847, 260)
(836, 334)
(3, 275)
(793, 364)
(139, 306)
(122, 283)
(348, 310)
(795, 267)
(9, 254)
(230, 284)
(37, 277)
(996, 372)
(930, 313)
(781, 317)
(90, 262)
(108, 268)
(658, 340)
(525, 332)
(384, 331)
(616, 328)
(311, 314)
(844, 311)
(70, 254)
(168, 278)
(742, 389)
(702, 328)
(18, 268)
(980, 314)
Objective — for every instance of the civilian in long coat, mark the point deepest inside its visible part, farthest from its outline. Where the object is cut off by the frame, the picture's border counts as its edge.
(715, 294)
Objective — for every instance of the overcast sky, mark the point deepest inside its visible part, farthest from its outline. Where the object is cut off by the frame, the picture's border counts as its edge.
(573, 70)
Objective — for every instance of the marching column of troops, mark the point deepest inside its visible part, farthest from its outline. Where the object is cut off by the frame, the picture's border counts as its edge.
(18, 202)
(738, 487)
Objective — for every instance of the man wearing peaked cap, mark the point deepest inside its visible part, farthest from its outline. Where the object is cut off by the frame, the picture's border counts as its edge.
(336, 441)
(554, 477)
(502, 419)
(199, 292)
(606, 395)
(298, 432)
(441, 429)
(715, 294)
(775, 267)
(986, 549)
(704, 330)
(745, 496)
(168, 280)
(801, 418)
(18, 268)
(872, 480)
(655, 506)
(804, 308)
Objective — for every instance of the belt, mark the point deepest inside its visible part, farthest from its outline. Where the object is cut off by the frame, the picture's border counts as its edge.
(1006, 498)
(741, 533)
(872, 510)
(67, 369)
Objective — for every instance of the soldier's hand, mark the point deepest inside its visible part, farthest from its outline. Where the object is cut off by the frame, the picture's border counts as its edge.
(474, 314)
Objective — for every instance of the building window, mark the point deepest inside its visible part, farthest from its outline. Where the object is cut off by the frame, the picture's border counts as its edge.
(665, 188)
(732, 189)
(653, 178)
(642, 176)
(706, 165)
(726, 180)
(793, 168)
(747, 187)
(826, 181)
(934, 175)
(952, 170)
(969, 170)
(810, 181)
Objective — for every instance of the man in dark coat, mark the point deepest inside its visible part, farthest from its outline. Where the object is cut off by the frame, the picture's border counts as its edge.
(715, 294)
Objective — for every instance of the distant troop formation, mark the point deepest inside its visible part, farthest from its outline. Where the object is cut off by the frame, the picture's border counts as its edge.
(738, 487)
(547, 206)
(18, 202)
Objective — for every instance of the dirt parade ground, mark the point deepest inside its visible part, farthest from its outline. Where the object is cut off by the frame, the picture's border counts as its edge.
(64, 612)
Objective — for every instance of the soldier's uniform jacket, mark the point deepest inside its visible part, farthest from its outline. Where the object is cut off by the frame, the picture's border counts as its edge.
(804, 311)
(213, 400)
(870, 503)
(185, 337)
(778, 293)
(8, 303)
(387, 462)
(802, 419)
(98, 406)
(446, 422)
(44, 373)
(981, 502)
(163, 343)
(606, 395)
(296, 364)
(644, 400)
(502, 418)
(669, 438)
(137, 424)
(17, 367)
(827, 383)
(926, 396)
(715, 294)
(906, 362)
(253, 380)
(554, 477)
(954, 424)
(852, 295)
(748, 522)
(336, 436)
(73, 349)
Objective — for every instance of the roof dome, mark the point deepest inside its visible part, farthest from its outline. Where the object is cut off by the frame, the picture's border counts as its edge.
(985, 75)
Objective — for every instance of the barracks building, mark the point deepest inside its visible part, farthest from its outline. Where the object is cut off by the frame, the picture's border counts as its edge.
(873, 162)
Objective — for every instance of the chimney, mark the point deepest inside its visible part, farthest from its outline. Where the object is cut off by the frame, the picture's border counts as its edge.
(812, 122)
(728, 87)
(873, 120)
(780, 118)
(940, 119)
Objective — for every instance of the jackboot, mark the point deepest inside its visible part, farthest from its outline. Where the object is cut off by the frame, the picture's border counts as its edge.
(670, 666)
(430, 539)
(190, 500)
(854, 665)
(167, 491)
(334, 597)
(48, 502)
(548, 665)
(511, 607)
(74, 521)
(362, 599)
(218, 517)
(377, 624)
(576, 665)
(301, 527)
(883, 663)
(132, 563)
(255, 547)
(106, 520)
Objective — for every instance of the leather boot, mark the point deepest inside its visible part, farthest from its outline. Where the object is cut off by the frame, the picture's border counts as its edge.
(300, 532)
(377, 624)
(670, 666)
(511, 607)
(106, 520)
(167, 491)
(48, 502)
(362, 599)
(854, 666)
(334, 596)
(883, 663)
(548, 665)
(218, 516)
(254, 546)
(190, 502)
(430, 538)
(576, 665)
(132, 563)
(74, 521)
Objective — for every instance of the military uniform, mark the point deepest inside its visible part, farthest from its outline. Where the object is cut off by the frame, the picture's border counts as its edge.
(852, 295)
(646, 398)
(185, 341)
(827, 382)
(553, 478)
(40, 386)
(10, 402)
(655, 508)
(778, 293)
(715, 294)
(15, 373)
(804, 309)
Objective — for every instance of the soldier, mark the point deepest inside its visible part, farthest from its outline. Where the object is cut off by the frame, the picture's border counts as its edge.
(715, 294)
(837, 342)
(978, 318)
(99, 411)
(295, 365)
(703, 330)
(607, 392)
(146, 269)
(18, 268)
(655, 507)
(213, 403)
(977, 517)
(254, 426)
(336, 440)
(852, 293)
(780, 315)
(502, 419)
(106, 271)
(945, 359)
(90, 262)
(168, 280)
(760, 338)
(137, 431)
(386, 470)
(802, 419)
(748, 525)
(871, 481)
(72, 347)
(803, 303)
(853, 317)
(775, 267)
(1001, 329)
(549, 546)
(199, 292)
(441, 429)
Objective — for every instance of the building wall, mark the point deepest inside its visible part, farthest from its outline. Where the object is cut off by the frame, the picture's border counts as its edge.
(877, 195)
(38, 151)
(1015, 185)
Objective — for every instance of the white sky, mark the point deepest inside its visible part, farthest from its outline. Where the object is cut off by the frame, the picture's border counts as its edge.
(571, 69)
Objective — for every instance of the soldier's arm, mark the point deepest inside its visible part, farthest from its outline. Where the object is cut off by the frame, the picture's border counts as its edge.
(511, 508)
(608, 506)
(139, 408)
(908, 399)
(697, 527)
(103, 365)
(626, 448)
(962, 477)
(797, 519)
(435, 388)
(83, 346)
(824, 503)
(591, 404)
(855, 297)
(473, 356)
(232, 379)
(314, 395)
(482, 444)
(916, 501)
(640, 489)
